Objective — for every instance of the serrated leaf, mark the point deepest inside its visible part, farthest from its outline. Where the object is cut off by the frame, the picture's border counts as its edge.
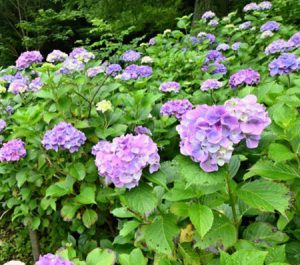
(87, 194)
(89, 217)
(100, 256)
(77, 171)
(244, 257)
(68, 211)
(189, 255)
(279, 152)
(265, 195)
(201, 217)
(128, 227)
(136, 257)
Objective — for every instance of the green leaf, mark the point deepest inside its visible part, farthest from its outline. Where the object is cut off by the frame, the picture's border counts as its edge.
(21, 177)
(61, 188)
(265, 195)
(87, 194)
(122, 212)
(89, 217)
(244, 257)
(35, 223)
(189, 255)
(128, 227)
(234, 165)
(292, 252)
(159, 235)
(141, 199)
(77, 171)
(201, 217)
(68, 211)
(100, 256)
(136, 257)
(270, 170)
(276, 254)
(280, 152)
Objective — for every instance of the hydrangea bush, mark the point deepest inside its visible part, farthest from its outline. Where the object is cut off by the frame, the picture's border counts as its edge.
(183, 149)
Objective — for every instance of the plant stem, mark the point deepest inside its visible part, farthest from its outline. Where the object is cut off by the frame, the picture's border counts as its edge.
(232, 200)
(212, 96)
(289, 80)
(34, 244)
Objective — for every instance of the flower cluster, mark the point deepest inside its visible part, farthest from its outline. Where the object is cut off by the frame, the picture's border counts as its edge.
(26, 59)
(147, 60)
(104, 106)
(36, 84)
(122, 161)
(213, 23)
(235, 46)
(81, 54)
(13, 150)
(266, 5)
(130, 56)
(18, 86)
(71, 66)
(14, 262)
(93, 71)
(134, 71)
(50, 259)
(63, 136)
(245, 25)
(2, 125)
(266, 34)
(170, 86)
(295, 40)
(208, 15)
(151, 42)
(278, 46)
(113, 69)
(270, 26)
(202, 36)
(210, 84)
(56, 56)
(214, 55)
(176, 107)
(244, 77)
(284, 64)
(142, 130)
(215, 68)
(223, 47)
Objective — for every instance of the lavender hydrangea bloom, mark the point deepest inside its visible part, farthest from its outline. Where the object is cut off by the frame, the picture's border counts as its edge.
(215, 68)
(176, 107)
(170, 86)
(130, 56)
(251, 7)
(252, 116)
(266, 5)
(270, 25)
(214, 55)
(284, 64)
(295, 40)
(26, 59)
(145, 71)
(223, 47)
(208, 15)
(245, 25)
(13, 150)
(202, 36)
(2, 125)
(210, 84)
(36, 84)
(235, 46)
(151, 42)
(56, 56)
(134, 71)
(122, 161)
(81, 54)
(50, 259)
(71, 66)
(244, 77)
(142, 130)
(18, 86)
(113, 69)
(63, 136)
(278, 46)
(213, 23)
(93, 71)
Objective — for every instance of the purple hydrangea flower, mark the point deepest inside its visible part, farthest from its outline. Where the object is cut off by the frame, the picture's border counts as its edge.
(26, 59)
(295, 40)
(113, 69)
(63, 136)
(170, 86)
(251, 7)
(50, 259)
(202, 36)
(271, 26)
(93, 71)
(194, 40)
(223, 47)
(122, 161)
(252, 116)
(2, 125)
(151, 42)
(9, 110)
(214, 55)
(278, 46)
(284, 64)
(36, 84)
(71, 66)
(244, 77)
(13, 150)
(176, 107)
(245, 25)
(210, 84)
(208, 15)
(130, 56)
(81, 54)
(18, 86)
(142, 130)
(56, 56)
(144, 71)
(134, 71)
(215, 68)
(8, 78)
(235, 46)
(266, 5)
(213, 23)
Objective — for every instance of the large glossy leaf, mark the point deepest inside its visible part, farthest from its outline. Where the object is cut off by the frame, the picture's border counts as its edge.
(101, 257)
(244, 257)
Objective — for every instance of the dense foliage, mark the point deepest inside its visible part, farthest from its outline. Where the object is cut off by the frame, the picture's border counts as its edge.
(181, 150)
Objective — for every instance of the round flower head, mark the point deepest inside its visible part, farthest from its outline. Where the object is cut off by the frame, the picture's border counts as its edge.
(147, 60)
(113, 69)
(215, 68)
(170, 86)
(71, 66)
(122, 161)
(26, 59)
(223, 47)
(252, 116)
(208, 15)
(244, 77)
(202, 36)
(210, 84)
(144, 71)
(134, 71)
(235, 46)
(2, 125)
(295, 40)
(13, 150)
(130, 56)
(266, 5)
(93, 71)
(266, 34)
(63, 136)
(104, 106)
(151, 42)
(270, 25)
(18, 86)
(213, 23)
(142, 130)
(56, 56)
(278, 46)
(176, 107)
(207, 135)
(284, 64)
(251, 7)
(14, 262)
(214, 55)
(245, 25)
(81, 54)
(50, 259)
(36, 84)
